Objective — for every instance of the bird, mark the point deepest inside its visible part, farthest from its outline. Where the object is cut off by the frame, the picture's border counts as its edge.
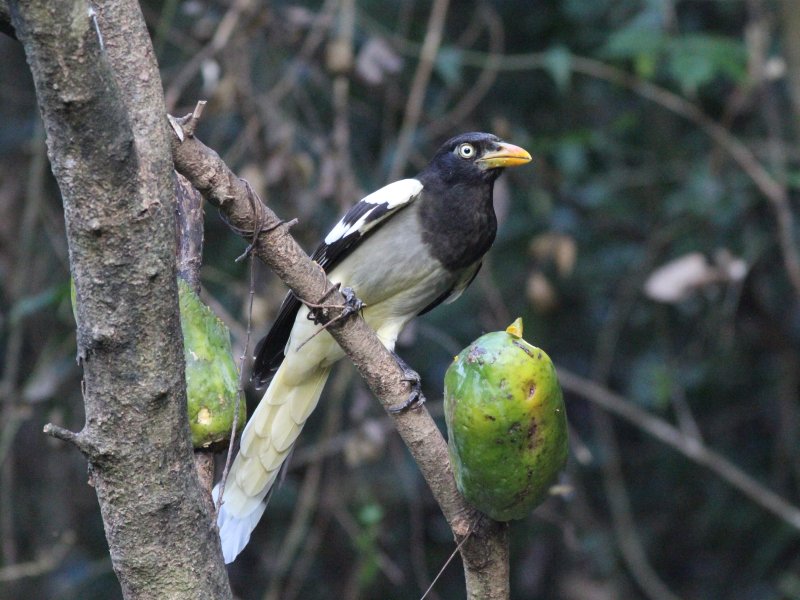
(402, 250)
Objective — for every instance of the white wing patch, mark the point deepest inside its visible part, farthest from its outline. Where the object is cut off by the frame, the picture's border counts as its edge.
(388, 197)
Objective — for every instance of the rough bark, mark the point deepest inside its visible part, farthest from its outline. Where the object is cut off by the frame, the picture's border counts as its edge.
(189, 228)
(100, 97)
(485, 552)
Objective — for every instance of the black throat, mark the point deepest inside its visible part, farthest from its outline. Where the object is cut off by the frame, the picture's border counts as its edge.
(457, 218)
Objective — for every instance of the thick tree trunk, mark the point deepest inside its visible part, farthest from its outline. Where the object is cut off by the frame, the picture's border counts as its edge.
(100, 96)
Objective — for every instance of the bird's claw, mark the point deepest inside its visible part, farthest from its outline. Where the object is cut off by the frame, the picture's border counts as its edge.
(319, 313)
(415, 400)
(352, 303)
(415, 397)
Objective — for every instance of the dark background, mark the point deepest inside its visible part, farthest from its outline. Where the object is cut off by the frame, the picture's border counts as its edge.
(650, 123)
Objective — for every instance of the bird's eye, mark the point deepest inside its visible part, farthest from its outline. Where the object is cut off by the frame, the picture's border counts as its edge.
(466, 150)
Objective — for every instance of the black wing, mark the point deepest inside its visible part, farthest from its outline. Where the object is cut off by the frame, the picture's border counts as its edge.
(363, 219)
(269, 351)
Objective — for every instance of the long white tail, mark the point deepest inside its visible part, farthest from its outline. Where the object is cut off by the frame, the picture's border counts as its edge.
(266, 442)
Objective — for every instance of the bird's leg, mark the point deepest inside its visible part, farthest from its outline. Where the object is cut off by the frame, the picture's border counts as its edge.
(415, 398)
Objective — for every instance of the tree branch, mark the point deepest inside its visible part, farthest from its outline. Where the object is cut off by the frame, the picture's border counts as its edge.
(689, 447)
(485, 553)
(99, 92)
(49, 561)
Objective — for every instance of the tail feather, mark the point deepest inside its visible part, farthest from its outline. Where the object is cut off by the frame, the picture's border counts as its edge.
(283, 431)
(271, 458)
(251, 477)
(234, 532)
(266, 443)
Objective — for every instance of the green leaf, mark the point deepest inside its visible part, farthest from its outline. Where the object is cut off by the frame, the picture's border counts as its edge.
(370, 514)
(558, 64)
(694, 60)
(448, 65)
(643, 45)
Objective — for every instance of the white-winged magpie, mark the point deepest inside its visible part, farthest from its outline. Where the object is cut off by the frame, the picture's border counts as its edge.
(403, 250)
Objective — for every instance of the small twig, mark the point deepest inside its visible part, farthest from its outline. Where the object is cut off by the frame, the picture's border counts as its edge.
(477, 89)
(194, 118)
(325, 326)
(184, 126)
(449, 560)
(261, 229)
(259, 220)
(227, 25)
(42, 565)
(240, 391)
(65, 435)
(320, 304)
(93, 16)
(76, 439)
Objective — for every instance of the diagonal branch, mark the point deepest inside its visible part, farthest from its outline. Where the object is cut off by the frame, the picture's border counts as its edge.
(485, 553)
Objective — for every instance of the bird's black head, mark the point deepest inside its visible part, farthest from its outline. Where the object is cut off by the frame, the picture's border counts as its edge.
(474, 158)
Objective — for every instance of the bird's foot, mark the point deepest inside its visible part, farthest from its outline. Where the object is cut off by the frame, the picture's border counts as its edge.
(320, 309)
(415, 398)
(352, 303)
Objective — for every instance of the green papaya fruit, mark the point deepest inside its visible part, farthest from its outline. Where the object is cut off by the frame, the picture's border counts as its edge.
(506, 423)
(212, 382)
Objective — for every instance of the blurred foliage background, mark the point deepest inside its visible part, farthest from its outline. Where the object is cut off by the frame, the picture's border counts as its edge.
(651, 250)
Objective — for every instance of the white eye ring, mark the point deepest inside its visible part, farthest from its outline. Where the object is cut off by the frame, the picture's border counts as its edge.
(466, 150)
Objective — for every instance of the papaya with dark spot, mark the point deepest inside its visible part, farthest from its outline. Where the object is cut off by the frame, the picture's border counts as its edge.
(506, 423)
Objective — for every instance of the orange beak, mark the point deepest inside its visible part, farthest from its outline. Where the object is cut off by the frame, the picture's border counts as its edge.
(504, 155)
